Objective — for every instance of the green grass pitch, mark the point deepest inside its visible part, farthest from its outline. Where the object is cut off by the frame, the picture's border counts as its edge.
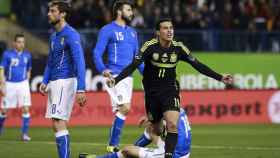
(209, 141)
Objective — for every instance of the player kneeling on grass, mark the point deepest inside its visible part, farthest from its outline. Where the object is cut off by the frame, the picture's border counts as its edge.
(182, 149)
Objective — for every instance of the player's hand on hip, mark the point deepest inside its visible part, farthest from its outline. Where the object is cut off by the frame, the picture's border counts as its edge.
(107, 73)
(110, 82)
(81, 98)
(227, 79)
(43, 89)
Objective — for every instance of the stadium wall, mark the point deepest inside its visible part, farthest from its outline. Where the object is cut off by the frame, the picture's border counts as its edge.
(251, 71)
(203, 107)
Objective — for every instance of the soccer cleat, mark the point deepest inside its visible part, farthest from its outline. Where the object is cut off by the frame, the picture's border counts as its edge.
(86, 155)
(25, 138)
(112, 149)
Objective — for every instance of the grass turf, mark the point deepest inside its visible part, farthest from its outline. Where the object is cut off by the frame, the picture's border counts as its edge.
(209, 141)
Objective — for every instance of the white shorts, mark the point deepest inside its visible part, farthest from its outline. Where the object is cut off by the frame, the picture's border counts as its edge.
(151, 152)
(121, 93)
(17, 94)
(154, 153)
(61, 97)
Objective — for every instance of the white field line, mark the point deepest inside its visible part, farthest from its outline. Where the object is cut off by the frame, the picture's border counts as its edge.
(255, 148)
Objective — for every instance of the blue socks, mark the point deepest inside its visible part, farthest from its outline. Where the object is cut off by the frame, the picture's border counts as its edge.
(63, 144)
(2, 120)
(143, 140)
(116, 129)
(25, 123)
(111, 155)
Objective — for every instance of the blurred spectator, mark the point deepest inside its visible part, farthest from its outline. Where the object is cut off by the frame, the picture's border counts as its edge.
(198, 14)
(138, 20)
(210, 24)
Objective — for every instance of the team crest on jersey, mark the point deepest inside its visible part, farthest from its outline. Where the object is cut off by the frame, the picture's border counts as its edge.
(155, 56)
(14, 62)
(164, 58)
(173, 57)
(62, 41)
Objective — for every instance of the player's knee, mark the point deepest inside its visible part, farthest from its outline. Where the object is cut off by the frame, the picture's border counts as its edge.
(59, 125)
(171, 126)
(25, 110)
(126, 151)
(124, 109)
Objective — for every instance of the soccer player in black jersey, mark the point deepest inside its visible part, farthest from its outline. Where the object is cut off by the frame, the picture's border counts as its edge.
(160, 56)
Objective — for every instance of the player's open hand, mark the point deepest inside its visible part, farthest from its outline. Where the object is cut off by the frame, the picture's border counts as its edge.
(81, 99)
(110, 82)
(43, 89)
(227, 79)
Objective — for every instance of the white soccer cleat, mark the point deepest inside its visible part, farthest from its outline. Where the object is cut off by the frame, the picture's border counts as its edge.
(25, 138)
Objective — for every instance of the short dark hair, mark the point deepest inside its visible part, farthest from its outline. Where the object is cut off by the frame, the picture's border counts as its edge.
(18, 35)
(118, 5)
(62, 5)
(161, 20)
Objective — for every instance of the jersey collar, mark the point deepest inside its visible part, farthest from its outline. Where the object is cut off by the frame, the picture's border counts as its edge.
(19, 53)
(115, 23)
(63, 29)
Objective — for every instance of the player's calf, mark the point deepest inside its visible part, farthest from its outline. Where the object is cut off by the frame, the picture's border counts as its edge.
(2, 120)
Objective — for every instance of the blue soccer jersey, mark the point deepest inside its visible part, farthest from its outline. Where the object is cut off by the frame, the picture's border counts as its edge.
(16, 65)
(183, 146)
(66, 57)
(121, 44)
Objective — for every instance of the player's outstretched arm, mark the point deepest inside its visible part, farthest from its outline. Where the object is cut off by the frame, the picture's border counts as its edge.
(205, 70)
(227, 79)
(128, 70)
(186, 56)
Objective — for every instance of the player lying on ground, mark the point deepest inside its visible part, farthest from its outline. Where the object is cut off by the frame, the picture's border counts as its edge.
(182, 149)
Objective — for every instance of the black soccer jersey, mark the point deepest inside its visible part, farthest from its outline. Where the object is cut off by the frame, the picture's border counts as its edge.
(160, 64)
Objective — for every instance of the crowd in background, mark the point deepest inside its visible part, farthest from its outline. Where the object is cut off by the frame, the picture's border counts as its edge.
(206, 25)
(187, 14)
